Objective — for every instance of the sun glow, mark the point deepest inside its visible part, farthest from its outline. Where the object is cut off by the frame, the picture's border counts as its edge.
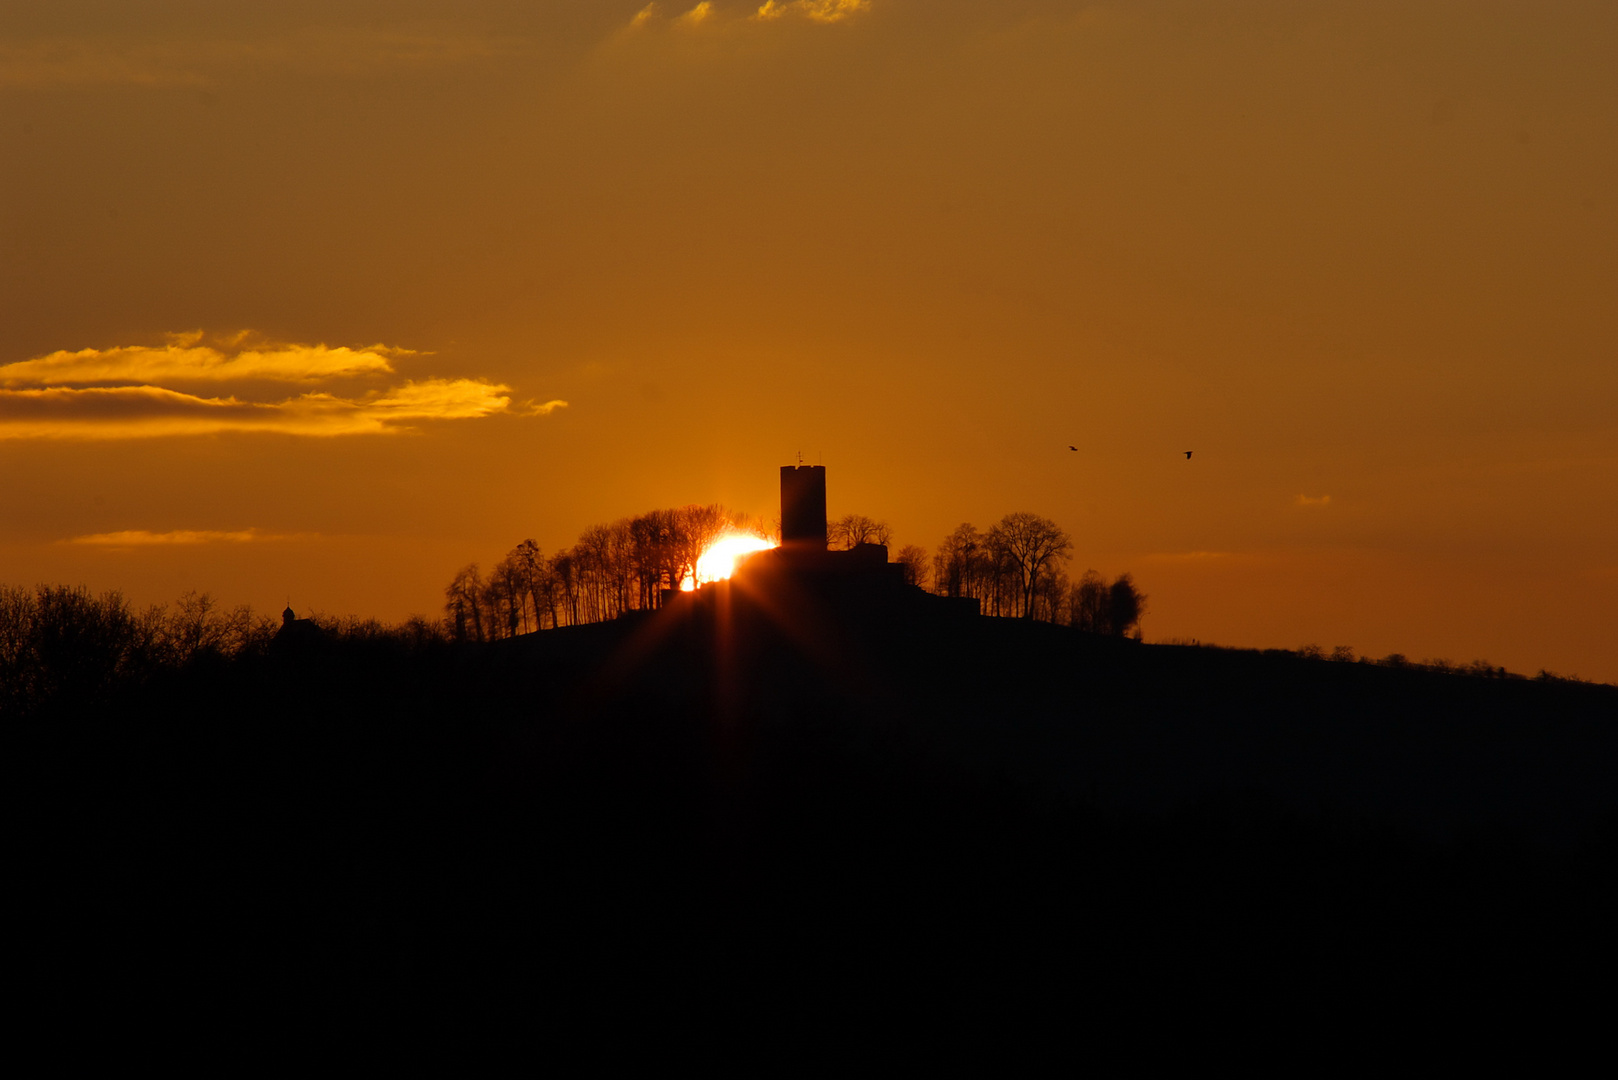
(719, 561)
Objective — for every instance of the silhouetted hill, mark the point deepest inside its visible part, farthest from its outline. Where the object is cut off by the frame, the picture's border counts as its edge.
(865, 805)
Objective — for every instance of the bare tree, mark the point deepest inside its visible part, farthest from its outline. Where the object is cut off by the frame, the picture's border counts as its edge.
(196, 627)
(955, 564)
(700, 526)
(914, 559)
(648, 540)
(851, 529)
(503, 599)
(1089, 606)
(528, 571)
(463, 604)
(243, 631)
(622, 570)
(1050, 595)
(671, 552)
(756, 525)
(564, 585)
(590, 556)
(62, 640)
(655, 540)
(1030, 544)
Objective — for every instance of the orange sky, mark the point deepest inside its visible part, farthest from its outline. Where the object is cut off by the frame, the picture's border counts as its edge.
(324, 300)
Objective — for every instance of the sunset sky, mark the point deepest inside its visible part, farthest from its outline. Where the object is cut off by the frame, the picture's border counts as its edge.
(322, 300)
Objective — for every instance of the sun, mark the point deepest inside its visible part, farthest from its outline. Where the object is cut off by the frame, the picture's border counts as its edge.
(719, 560)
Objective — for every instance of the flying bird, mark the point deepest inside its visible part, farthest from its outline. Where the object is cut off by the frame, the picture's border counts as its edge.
(1073, 448)
(1188, 455)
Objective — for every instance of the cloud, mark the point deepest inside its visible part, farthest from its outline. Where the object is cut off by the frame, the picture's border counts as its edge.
(142, 538)
(823, 11)
(185, 358)
(1312, 500)
(135, 412)
(820, 11)
(535, 408)
(57, 396)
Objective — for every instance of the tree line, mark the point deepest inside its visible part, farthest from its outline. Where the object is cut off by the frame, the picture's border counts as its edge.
(1016, 568)
(616, 568)
(62, 643)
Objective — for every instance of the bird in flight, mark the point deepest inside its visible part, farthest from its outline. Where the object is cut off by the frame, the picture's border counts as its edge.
(1073, 448)
(1188, 455)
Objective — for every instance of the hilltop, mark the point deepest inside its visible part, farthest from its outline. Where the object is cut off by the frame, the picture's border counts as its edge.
(904, 803)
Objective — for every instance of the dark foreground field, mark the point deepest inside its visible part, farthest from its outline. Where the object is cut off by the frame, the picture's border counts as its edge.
(706, 816)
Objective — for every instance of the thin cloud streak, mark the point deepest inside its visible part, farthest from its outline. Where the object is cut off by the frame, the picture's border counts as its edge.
(824, 11)
(135, 412)
(179, 537)
(704, 13)
(535, 408)
(184, 358)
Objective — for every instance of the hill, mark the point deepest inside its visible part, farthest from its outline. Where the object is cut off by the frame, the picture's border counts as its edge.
(865, 806)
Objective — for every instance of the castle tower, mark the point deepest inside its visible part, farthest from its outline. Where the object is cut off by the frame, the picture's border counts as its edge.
(803, 506)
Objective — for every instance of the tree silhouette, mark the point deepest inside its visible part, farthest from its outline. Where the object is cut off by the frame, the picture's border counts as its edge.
(1089, 605)
(955, 565)
(1099, 608)
(612, 569)
(564, 581)
(851, 529)
(650, 538)
(1126, 604)
(915, 561)
(1015, 569)
(64, 644)
(463, 604)
(527, 572)
(700, 526)
(1051, 590)
(1031, 544)
(593, 556)
(503, 599)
